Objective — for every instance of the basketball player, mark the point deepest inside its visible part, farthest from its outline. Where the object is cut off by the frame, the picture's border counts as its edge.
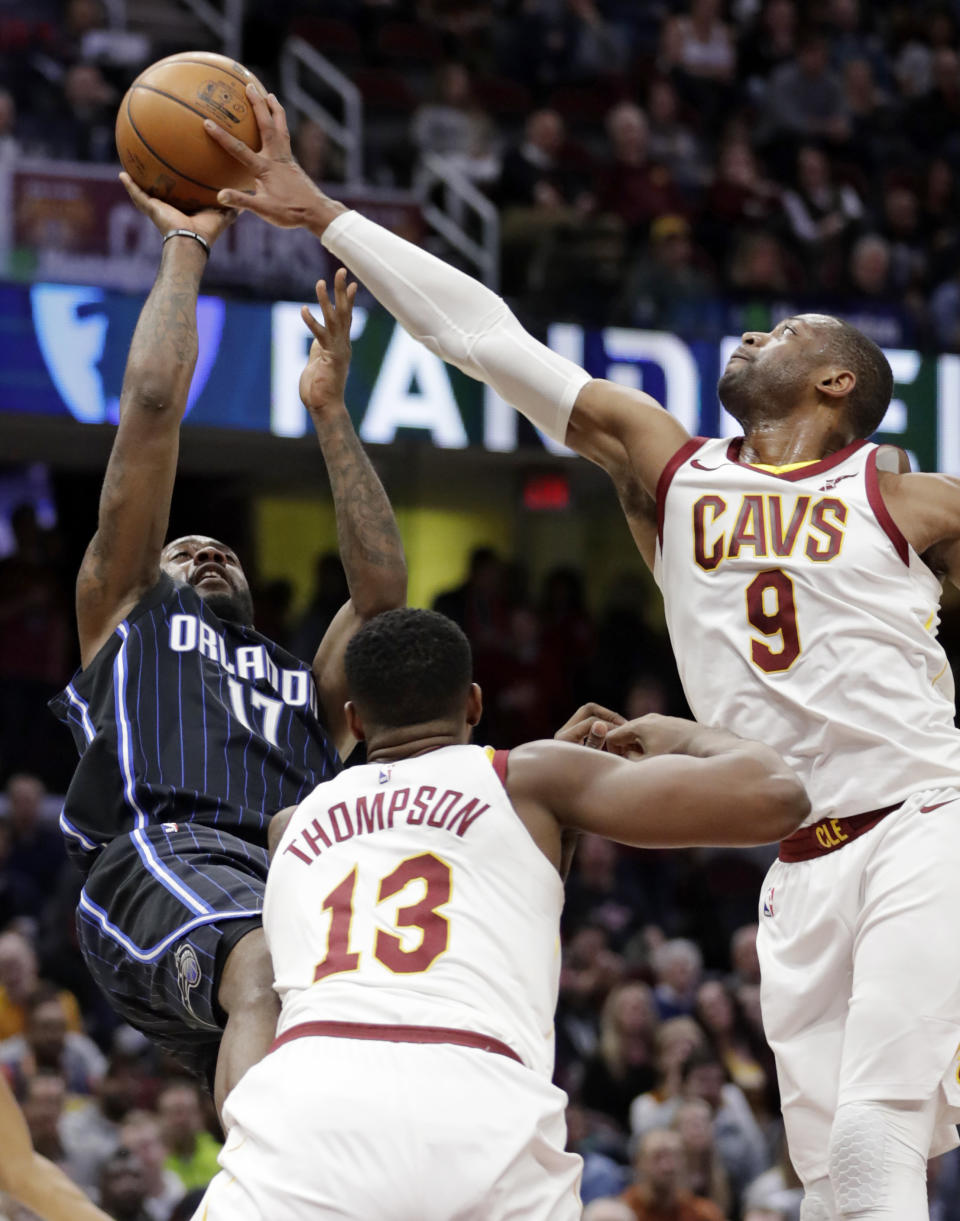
(412, 912)
(32, 1180)
(193, 728)
(800, 567)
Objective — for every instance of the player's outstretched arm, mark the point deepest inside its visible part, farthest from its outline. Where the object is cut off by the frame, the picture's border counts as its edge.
(123, 558)
(371, 549)
(457, 318)
(30, 1178)
(925, 508)
(663, 783)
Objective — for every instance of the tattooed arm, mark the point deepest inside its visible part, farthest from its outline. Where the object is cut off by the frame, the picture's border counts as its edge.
(370, 545)
(122, 560)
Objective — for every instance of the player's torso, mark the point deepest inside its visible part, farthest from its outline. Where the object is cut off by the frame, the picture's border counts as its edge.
(185, 717)
(412, 894)
(800, 616)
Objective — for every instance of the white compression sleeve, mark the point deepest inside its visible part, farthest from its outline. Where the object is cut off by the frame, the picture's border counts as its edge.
(459, 320)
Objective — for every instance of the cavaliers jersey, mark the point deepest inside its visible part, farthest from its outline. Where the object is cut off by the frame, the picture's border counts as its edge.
(800, 615)
(410, 893)
(185, 717)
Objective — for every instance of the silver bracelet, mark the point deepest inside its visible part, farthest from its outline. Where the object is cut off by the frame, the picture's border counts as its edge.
(187, 233)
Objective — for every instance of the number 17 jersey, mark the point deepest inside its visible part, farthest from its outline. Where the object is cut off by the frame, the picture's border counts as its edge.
(800, 616)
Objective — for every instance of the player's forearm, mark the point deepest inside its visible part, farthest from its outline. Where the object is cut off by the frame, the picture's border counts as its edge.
(44, 1188)
(371, 549)
(163, 351)
(457, 318)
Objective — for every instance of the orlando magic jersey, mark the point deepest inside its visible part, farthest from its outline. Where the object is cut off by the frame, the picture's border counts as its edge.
(184, 717)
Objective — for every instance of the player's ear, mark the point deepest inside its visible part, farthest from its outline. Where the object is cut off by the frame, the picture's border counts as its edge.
(474, 705)
(838, 383)
(354, 724)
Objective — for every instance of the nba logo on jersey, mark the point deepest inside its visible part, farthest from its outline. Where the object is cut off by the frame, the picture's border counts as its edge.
(768, 902)
(386, 771)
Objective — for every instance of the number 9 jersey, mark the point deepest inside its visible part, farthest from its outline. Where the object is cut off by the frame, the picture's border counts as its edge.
(411, 894)
(800, 615)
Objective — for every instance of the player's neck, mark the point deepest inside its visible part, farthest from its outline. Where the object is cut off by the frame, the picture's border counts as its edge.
(783, 442)
(389, 745)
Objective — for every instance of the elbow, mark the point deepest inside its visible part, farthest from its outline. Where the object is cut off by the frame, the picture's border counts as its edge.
(785, 805)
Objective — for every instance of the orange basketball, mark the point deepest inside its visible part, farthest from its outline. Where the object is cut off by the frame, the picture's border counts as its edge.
(160, 135)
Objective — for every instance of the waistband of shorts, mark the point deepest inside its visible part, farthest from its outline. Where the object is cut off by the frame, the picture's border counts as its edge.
(826, 836)
(395, 1034)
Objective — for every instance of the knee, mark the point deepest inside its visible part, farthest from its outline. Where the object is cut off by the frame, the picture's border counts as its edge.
(875, 1149)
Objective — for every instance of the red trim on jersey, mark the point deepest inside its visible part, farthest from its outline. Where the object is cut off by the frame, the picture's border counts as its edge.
(499, 762)
(686, 450)
(829, 834)
(804, 472)
(882, 513)
(395, 1034)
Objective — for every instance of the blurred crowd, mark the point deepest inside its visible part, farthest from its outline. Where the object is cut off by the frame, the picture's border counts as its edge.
(660, 1044)
(652, 162)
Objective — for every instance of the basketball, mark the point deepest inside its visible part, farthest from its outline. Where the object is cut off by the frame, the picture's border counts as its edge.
(160, 135)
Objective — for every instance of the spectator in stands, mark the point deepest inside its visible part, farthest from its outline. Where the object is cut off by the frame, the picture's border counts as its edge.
(670, 140)
(874, 123)
(731, 1039)
(329, 594)
(588, 970)
(670, 286)
(42, 1101)
(777, 1189)
(37, 853)
(598, 892)
(454, 127)
(823, 215)
(869, 272)
(738, 1136)
(697, 48)
(20, 982)
(933, 120)
(140, 1133)
(659, 1191)
(192, 1150)
(744, 960)
(19, 896)
(479, 604)
(739, 196)
(603, 1151)
(123, 1190)
(902, 227)
(677, 966)
(47, 1044)
(677, 1039)
(941, 207)
(312, 149)
(93, 1131)
(770, 43)
(567, 628)
(536, 173)
(760, 266)
(805, 99)
(623, 1065)
(528, 689)
(705, 1173)
(945, 312)
(84, 128)
(633, 187)
(849, 38)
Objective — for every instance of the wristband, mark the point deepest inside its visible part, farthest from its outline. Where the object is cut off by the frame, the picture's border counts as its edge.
(187, 233)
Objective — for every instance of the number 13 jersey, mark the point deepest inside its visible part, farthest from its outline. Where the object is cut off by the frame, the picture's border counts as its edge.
(800, 615)
(411, 894)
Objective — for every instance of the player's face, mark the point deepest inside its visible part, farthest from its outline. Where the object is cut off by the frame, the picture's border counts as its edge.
(771, 372)
(214, 571)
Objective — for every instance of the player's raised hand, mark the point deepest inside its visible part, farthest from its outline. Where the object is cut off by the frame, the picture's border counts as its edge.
(589, 726)
(283, 194)
(209, 222)
(323, 380)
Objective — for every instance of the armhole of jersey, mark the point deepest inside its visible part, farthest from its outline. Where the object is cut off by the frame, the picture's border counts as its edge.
(880, 510)
(666, 478)
(498, 761)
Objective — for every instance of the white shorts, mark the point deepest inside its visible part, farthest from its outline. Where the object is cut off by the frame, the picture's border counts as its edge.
(374, 1131)
(860, 962)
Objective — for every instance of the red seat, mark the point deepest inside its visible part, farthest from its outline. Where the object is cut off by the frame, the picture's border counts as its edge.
(384, 91)
(329, 36)
(502, 96)
(410, 43)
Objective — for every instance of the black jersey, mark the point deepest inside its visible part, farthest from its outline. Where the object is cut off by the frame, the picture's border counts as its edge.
(184, 717)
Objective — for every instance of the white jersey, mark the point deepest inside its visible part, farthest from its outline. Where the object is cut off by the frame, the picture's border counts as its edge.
(410, 893)
(800, 616)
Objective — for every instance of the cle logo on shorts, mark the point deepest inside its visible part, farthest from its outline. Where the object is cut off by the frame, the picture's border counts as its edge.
(768, 902)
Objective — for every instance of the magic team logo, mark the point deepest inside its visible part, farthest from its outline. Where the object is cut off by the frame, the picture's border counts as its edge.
(84, 334)
(188, 974)
(768, 909)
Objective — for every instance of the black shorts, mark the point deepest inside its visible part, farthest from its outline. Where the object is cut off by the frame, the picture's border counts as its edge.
(160, 911)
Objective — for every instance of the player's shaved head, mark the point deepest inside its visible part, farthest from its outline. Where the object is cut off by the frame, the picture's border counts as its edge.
(408, 667)
(867, 403)
(213, 570)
